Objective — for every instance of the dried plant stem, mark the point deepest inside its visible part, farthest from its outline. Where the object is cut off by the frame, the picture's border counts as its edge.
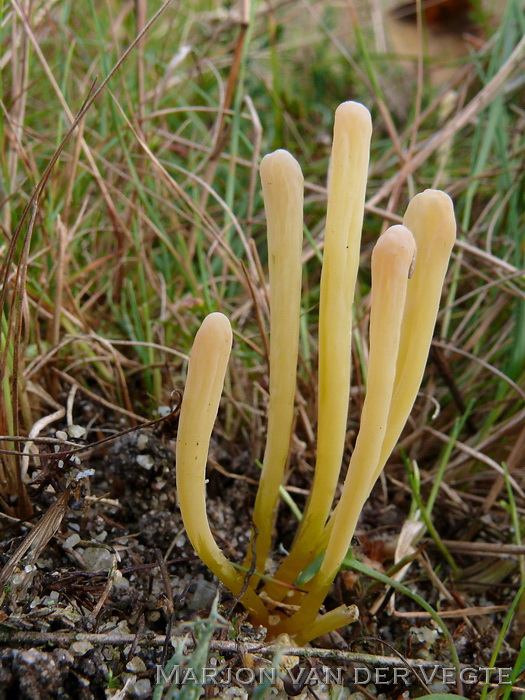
(226, 647)
(469, 113)
(59, 279)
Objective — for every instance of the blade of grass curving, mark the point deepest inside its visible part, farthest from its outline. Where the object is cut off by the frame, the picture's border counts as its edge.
(445, 457)
(502, 634)
(32, 205)
(517, 671)
(243, 47)
(193, 667)
(425, 516)
(355, 565)
(92, 95)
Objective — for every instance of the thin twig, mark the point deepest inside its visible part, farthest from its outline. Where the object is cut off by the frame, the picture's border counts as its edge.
(11, 637)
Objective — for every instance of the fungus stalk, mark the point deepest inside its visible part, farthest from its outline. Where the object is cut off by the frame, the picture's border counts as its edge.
(282, 183)
(430, 218)
(402, 319)
(344, 221)
(207, 368)
(391, 260)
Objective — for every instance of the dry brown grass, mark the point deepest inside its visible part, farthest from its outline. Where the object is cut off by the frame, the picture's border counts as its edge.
(119, 234)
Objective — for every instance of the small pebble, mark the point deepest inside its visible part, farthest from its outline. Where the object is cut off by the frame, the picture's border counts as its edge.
(81, 648)
(98, 559)
(84, 474)
(203, 596)
(72, 541)
(142, 688)
(142, 442)
(145, 461)
(439, 688)
(136, 665)
(76, 431)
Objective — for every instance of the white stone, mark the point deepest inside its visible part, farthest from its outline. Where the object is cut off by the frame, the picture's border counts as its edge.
(142, 442)
(72, 541)
(98, 559)
(76, 431)
(145, 461)
(81, 648)
(136, 665)
(142, 688)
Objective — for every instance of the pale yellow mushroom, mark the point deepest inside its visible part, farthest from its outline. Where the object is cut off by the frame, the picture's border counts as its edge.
(283, 184)
(330, 621)
(207, 368)
(344, 221)
(391, 260)
(430, 217)
(403, 315)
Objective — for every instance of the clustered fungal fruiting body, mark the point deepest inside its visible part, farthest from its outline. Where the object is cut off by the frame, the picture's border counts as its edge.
(405, 300)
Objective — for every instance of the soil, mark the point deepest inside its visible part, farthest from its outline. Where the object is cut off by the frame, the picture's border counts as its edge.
(89, 617)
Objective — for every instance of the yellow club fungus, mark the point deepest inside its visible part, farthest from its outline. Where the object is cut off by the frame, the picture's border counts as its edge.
(204, 383)
(402, 318)
(283, 184)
